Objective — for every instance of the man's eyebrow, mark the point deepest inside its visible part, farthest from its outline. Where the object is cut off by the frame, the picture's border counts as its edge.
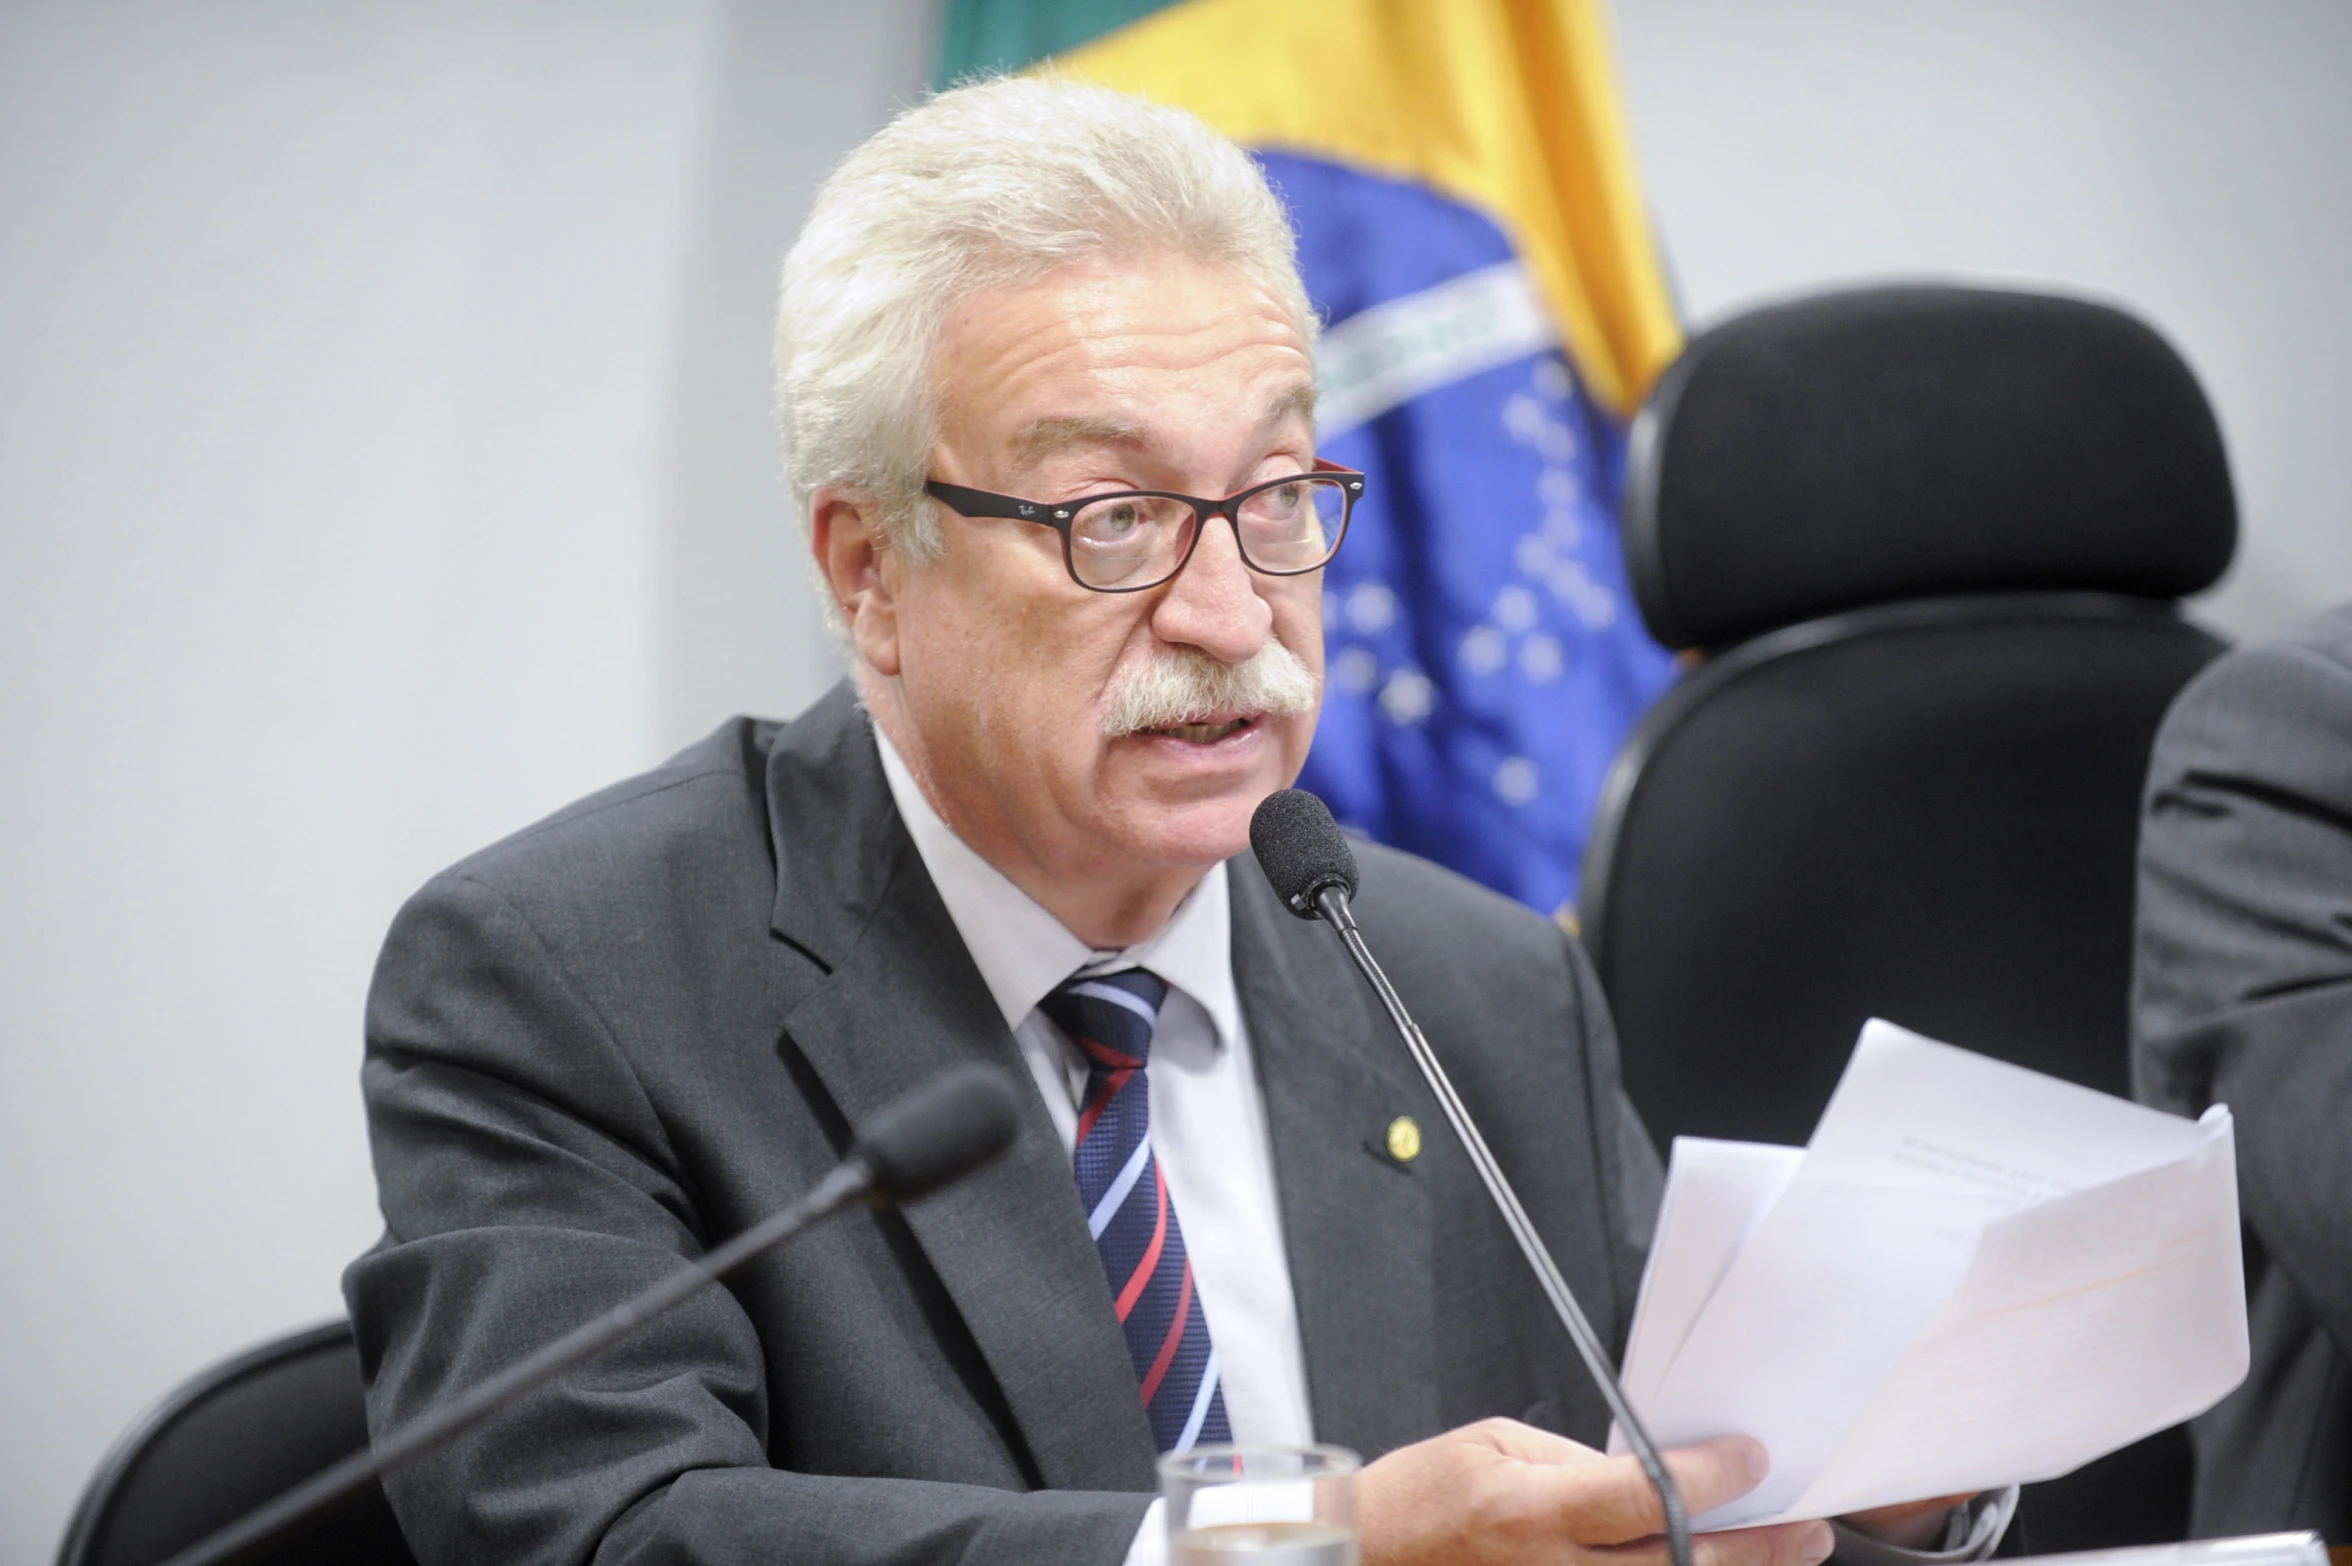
(1056, 433)
(1299, 400)
(1046, 437)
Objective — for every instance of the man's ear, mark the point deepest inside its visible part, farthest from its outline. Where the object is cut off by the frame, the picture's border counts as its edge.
(845, 532)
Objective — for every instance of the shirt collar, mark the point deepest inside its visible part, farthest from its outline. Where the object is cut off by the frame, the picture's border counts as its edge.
(1024, 952)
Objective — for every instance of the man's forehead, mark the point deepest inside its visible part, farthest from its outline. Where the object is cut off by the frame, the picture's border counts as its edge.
(1050, 435)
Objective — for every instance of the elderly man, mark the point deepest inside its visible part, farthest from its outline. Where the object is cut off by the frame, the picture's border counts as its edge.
(1047, 393)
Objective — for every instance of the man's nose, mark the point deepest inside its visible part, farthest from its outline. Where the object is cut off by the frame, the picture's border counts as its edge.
(1214, 603)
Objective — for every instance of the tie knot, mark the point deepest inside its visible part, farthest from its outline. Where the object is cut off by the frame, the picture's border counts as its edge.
(1110, 1013)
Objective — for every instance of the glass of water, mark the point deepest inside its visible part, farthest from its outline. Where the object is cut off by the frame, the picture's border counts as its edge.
(1261, 1506)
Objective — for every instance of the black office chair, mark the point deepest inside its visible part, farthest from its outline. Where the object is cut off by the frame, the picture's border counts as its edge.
(229, 1440)
(1929, 542)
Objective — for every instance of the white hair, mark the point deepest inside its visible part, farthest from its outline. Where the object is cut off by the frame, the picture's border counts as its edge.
(989, 185)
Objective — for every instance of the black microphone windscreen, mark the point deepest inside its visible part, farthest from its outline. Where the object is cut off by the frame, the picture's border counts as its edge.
(950, 1125)
(1299, 847)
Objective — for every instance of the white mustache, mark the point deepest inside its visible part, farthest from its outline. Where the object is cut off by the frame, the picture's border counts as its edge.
(1186, 685)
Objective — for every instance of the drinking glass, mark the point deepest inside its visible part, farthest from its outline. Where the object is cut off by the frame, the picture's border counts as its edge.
(1261, 1506)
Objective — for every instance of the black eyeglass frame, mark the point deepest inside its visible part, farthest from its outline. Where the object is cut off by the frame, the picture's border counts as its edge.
(1061, 515)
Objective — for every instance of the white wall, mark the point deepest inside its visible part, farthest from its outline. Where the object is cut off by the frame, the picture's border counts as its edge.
(2188, 159)
(384, 460)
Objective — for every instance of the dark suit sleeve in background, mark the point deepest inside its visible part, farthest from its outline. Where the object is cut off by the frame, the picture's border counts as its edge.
(2243, 995)
(527, 1185)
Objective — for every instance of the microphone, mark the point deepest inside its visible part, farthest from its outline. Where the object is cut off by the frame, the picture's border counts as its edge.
(1313, 871)
(1299, 847)
(941, 1131)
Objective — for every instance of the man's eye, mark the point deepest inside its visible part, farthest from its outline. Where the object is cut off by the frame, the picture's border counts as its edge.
(1281, 504)
(1114, 522)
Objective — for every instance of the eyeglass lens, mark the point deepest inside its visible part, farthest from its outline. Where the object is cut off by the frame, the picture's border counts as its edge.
(1140, 540)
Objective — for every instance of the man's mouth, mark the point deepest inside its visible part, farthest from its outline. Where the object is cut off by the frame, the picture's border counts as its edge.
(1205, 733)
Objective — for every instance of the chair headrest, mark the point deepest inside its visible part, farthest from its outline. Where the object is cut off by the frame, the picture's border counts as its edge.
(1905, 442)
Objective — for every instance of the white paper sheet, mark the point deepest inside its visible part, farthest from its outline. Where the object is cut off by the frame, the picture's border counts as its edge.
(1716, 1194)
(1972, 1276)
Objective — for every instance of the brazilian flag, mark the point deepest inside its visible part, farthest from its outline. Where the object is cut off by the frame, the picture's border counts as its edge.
(1472, 232)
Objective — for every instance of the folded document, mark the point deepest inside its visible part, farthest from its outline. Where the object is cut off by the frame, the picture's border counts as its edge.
(1973, 1275)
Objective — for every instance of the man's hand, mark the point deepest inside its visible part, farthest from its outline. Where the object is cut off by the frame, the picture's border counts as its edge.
(1505, 1492)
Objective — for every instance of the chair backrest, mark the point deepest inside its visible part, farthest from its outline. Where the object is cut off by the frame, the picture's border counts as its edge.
(1929, 541)
(228, 1440)
(1924, 812)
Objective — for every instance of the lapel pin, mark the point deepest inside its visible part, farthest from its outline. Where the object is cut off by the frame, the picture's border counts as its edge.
(1404, 1139)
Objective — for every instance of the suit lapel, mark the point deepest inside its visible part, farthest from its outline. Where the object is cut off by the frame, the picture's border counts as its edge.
(901, 1002)
(1356, 1223)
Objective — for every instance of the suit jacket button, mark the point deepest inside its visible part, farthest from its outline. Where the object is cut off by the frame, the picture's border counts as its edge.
(1404, 1139)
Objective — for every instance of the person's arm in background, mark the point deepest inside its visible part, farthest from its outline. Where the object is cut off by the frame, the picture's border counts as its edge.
(2242, 994)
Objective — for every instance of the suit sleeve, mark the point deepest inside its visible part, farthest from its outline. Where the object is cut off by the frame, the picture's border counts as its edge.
(2243, 973)
(528, 1185)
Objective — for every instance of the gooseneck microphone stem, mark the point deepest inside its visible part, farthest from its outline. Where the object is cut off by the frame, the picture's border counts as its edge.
(322, 1490)
(940, 1132)
(1332, 902)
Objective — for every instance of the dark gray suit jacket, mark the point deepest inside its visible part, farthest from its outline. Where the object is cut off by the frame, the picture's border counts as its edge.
(631, 1030)
(2243, 995)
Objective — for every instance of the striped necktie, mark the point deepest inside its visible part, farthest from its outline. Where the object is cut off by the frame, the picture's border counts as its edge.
(1110, 1018)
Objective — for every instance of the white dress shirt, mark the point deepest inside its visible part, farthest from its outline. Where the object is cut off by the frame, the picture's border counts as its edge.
(1208, 1120)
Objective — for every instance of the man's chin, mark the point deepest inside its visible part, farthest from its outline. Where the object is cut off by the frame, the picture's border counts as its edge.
(1191, 832)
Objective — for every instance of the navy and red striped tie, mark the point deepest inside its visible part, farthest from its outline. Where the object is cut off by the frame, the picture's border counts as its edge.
(1110, 1018)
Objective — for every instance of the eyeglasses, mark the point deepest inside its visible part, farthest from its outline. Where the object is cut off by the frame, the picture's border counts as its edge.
(1137, 539)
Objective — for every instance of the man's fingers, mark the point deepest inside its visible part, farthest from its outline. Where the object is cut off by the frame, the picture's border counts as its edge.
(1715, 1472)
(1613, 1503)
(1782, 1544)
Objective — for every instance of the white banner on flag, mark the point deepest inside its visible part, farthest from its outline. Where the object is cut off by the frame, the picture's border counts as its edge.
(1391, 353)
